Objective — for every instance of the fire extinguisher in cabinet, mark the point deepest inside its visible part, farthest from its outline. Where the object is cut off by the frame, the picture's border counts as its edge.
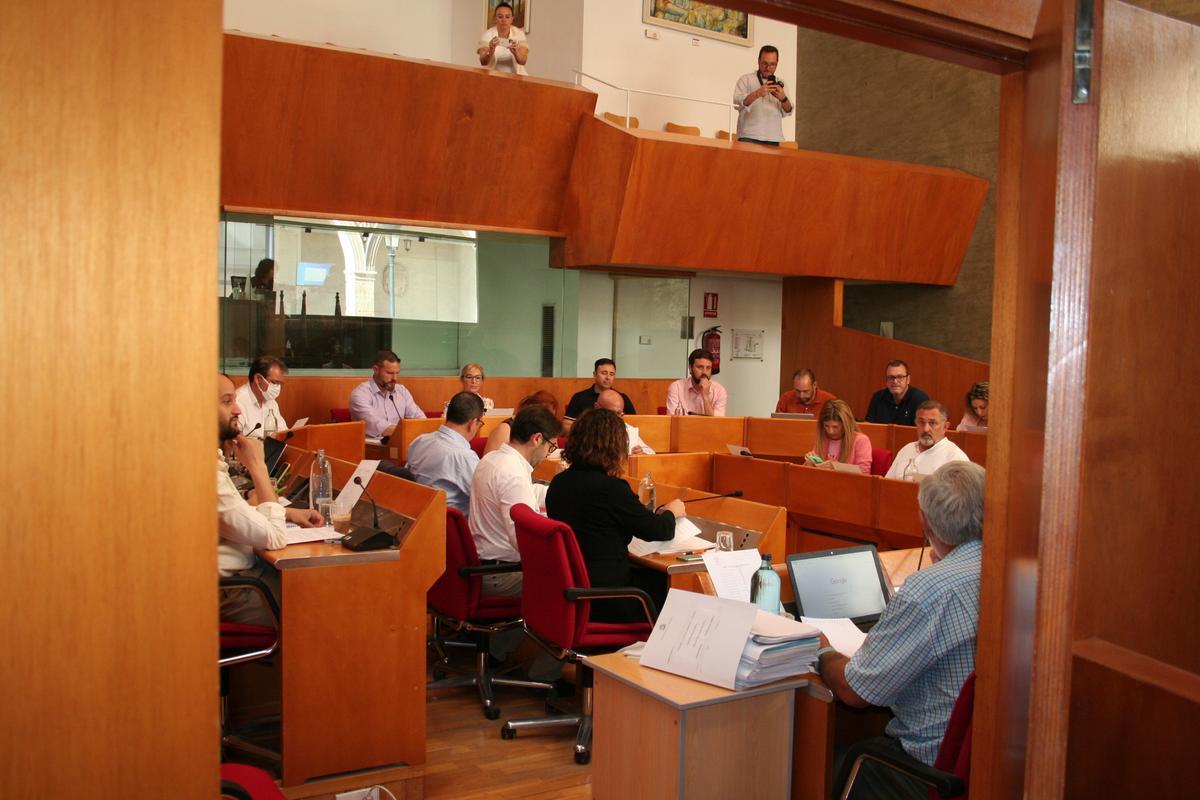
(710, 340)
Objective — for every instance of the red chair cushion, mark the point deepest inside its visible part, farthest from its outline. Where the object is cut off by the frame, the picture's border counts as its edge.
(477, 444)
(241, 636)
(259, 784)
(881, 461)
(339, 414)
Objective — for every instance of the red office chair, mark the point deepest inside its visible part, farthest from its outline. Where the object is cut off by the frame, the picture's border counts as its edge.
(242, 643)
(458, 604)
(339, 414)
(432, 413)
(881, 461)
(242, 782)
(477, 444)
(950, 775)
(556, 603)
(662, 411)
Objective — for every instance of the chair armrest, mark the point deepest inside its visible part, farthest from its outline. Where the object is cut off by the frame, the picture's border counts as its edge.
(488, 569)
(949, 785)
(247, 582)
(616, 593)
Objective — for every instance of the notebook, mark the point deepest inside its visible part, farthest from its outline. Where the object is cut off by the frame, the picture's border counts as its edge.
(848, 582)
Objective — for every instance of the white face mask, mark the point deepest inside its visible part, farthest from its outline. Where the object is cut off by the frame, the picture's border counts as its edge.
(271, 392)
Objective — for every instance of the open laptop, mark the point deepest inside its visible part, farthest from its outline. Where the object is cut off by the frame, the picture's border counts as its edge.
(848, 582)
(791, 415)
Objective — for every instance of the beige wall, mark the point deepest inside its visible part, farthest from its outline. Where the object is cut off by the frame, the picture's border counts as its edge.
(860, 99)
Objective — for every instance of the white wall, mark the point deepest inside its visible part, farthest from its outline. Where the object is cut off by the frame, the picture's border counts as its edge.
(744, 303)
(413, 28)
(555, 36)
(615, 48)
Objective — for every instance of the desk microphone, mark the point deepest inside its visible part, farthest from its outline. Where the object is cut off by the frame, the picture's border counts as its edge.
(372, 538)
(257, 425)
(734, 493)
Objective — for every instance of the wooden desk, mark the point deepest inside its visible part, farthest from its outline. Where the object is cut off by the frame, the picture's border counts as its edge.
(793, 436)
(706, 434)
(396, 448)
(353, 666)
(655, 430)
(674, 469)
(659, 735)
(830, 501)
(342, 440)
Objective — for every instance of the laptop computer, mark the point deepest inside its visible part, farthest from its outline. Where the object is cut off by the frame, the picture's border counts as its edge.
(791, 415)
(848, 582)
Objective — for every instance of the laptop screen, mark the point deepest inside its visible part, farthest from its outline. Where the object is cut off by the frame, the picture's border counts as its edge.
(839, 583)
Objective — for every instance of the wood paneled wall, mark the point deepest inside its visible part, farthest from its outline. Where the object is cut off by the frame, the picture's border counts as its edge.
(850, 363)
(108, 213)
(646, 198)
(331, 131)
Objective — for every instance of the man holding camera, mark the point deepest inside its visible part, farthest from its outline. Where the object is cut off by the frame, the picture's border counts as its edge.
(762, 102)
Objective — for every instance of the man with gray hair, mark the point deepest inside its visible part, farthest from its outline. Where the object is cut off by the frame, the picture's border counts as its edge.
(931, 449)
(918, 655)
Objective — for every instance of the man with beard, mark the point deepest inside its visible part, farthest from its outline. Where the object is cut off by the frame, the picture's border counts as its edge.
(380, 401)
(931, 449)
(242, 527)
(603, 375)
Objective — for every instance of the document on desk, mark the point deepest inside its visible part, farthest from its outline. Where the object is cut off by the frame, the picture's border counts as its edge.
(700, 637)
(685, 539)
(300, 423)
(843, 635)
(732, 571)
(297, 535)
(365, 470)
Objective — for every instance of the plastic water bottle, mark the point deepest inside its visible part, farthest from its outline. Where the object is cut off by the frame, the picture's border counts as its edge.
(320, 485)
(910, 470)
(646, 492)
(765, 591)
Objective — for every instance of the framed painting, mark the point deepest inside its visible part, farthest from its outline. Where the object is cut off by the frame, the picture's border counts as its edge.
(520, 13)
(700, 19)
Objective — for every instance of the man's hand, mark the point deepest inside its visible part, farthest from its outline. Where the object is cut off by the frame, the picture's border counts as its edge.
(249, 452)
(704, 385)
(637, 450)
(388, 431)
(304, 517)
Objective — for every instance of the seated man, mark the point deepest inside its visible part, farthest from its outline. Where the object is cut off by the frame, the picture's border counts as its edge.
(444, 459)
(256, 397)
(242, 527)
(918, 655)
(611, 400)
(380, 401)
(897, 402)
(504, 478)
(805, 397)
(931, 449)
(603, 376)
(698, 393)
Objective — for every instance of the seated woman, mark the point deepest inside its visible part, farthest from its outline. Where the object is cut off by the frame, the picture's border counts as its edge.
(976, 415)
(839, 439)
(472, 378)
(593, 498)
(501, 432)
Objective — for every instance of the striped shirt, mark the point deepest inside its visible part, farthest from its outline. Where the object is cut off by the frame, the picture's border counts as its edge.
(918, 655)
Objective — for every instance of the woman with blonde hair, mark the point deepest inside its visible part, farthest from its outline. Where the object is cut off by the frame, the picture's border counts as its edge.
(839, 439)
(471, 376)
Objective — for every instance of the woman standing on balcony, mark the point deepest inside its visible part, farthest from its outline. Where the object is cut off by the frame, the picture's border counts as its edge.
(502, 48)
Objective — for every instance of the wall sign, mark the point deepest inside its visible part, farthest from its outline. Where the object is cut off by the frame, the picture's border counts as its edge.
(710, 304)
(748, 343)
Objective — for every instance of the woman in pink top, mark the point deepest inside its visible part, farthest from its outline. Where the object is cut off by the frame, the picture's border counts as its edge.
(839, 439)
(975, 418)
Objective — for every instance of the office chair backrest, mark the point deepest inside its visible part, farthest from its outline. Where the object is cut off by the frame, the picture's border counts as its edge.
(339, 414)
(881, 461)
(455, 595)
(954, 754)
(551, 563)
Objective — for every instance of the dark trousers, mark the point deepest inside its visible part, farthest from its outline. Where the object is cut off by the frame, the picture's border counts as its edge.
(876, 782)
(757, 141)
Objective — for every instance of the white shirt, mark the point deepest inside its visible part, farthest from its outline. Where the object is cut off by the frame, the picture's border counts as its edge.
(502, 59)
(254, 412)
(242, 527)
(926, 462)
(635, 440)
(502, 479)
(762, 119)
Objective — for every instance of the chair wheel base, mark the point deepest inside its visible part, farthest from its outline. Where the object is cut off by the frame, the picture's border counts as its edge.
(508, 733)
(492, 712)
(439, 674)
(583, 758)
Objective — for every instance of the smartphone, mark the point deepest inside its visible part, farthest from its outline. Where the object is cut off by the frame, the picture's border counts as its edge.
(814, 459)
(690, 557)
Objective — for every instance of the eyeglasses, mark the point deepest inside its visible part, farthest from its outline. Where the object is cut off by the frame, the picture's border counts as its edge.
(896, 378)
(472, 377)
(552, 446)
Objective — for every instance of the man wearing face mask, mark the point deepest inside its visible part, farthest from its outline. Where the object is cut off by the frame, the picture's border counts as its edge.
(257, 397)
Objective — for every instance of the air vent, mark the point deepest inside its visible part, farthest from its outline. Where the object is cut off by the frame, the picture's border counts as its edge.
(548, 341)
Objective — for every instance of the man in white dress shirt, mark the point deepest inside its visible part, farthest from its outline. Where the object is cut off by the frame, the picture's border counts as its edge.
(380, 401)
(612, 400)
(242, 527)
(761, 101)
(257, 397)
(504, 478)
(931, 449)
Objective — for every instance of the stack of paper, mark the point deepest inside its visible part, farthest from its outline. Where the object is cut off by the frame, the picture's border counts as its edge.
(685, 540)
(777, 648)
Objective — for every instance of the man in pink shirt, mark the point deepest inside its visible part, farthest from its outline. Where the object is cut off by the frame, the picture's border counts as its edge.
(698, 393)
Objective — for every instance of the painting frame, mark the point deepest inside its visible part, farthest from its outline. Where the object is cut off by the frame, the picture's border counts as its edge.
(651, 16)
(520, 13)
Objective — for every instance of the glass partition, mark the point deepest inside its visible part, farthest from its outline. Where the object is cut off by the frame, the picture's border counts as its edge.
(333, 293)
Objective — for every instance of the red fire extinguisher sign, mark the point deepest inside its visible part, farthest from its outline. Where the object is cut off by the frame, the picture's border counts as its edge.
(710, 304)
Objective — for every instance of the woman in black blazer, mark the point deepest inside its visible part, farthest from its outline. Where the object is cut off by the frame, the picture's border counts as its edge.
(593, 498)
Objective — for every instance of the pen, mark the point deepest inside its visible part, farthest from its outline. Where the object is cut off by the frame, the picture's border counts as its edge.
(690, 553)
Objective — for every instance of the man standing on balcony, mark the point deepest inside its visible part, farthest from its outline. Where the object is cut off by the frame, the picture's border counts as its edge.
(762, 102)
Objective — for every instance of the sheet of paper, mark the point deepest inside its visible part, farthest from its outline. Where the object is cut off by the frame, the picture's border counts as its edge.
(773, 627)
(731, 572)
(298, 535)
(840, 467)
(738, 450)
(842, 634)
(685, 540)
(700, 637)
(365, 470)
(300, 423)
